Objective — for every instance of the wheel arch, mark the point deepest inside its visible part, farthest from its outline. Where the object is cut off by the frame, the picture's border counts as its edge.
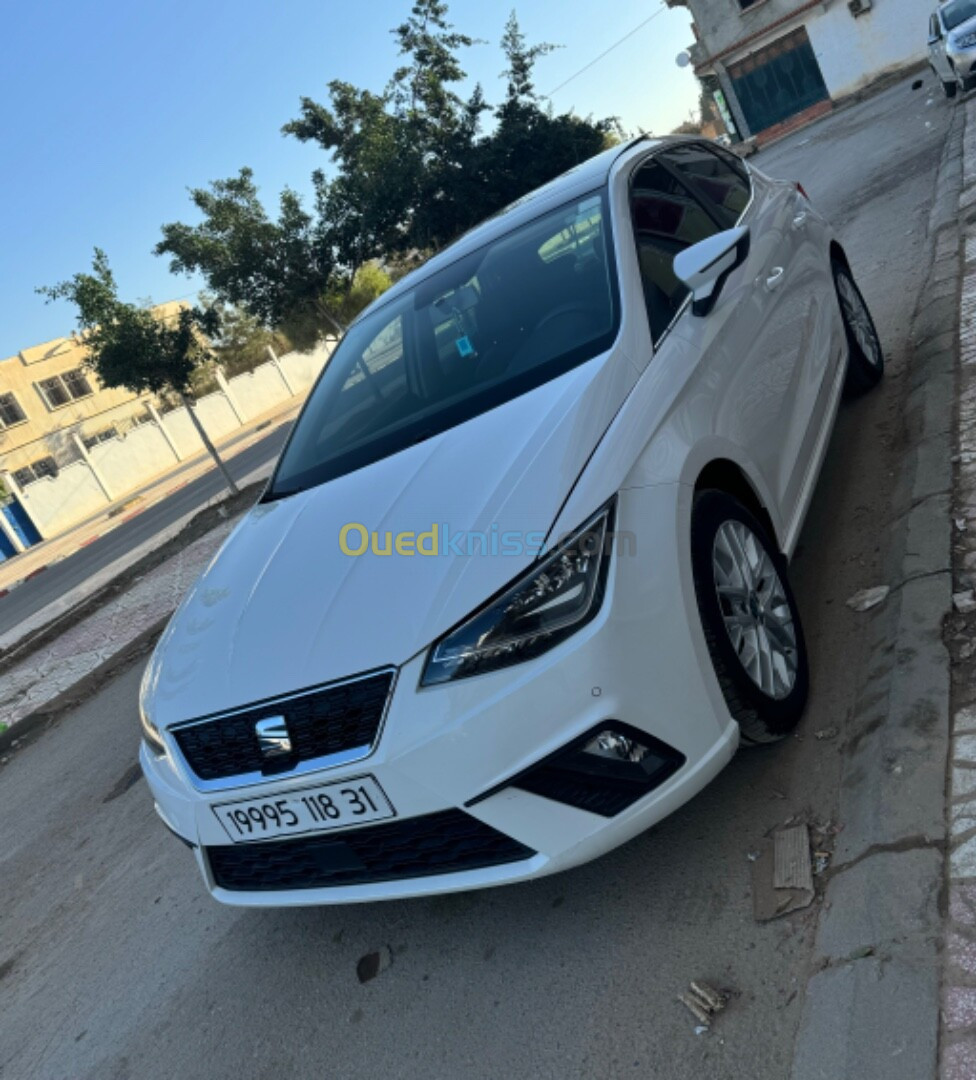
(722, 474)
(839, 255)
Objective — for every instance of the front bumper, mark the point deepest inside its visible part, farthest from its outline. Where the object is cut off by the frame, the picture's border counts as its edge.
(642, 661)
(963, 63)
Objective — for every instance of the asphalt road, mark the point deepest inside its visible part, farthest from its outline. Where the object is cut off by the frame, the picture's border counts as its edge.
(114, 964)
(63, 576)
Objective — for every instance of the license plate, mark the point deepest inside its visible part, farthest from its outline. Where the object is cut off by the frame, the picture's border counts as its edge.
(302, 810)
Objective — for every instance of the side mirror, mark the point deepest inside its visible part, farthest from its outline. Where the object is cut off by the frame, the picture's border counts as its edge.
(935, 40)
(704, 266)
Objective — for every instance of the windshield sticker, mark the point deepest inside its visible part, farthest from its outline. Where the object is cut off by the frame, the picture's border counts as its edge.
(464, 347)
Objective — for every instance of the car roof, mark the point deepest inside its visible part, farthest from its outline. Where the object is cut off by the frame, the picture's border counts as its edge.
(576, 182)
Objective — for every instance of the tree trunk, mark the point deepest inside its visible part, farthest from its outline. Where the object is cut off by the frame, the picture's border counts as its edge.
(205, 439)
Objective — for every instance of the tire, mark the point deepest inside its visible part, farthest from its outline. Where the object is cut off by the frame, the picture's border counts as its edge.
(764, 715)
(865, 365)
(949, 89)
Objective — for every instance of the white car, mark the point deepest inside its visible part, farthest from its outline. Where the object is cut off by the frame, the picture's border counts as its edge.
(952, 45)
(517, 587)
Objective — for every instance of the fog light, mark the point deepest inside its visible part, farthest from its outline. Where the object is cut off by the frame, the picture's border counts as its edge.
(603, 771)
(617, 747)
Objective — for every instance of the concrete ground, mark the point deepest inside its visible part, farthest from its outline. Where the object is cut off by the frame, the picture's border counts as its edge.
(114, 964)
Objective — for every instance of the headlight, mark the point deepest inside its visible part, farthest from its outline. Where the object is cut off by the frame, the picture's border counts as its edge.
(149, 730)
(967, 41)
(555, 598)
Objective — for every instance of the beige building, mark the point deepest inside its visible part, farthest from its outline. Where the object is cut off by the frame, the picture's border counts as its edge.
(50, 401)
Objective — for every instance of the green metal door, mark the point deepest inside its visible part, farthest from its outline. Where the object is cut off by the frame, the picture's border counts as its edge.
(779, 81)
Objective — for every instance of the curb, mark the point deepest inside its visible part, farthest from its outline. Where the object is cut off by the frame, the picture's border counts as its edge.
(871, 1006)
(958, 1041)
(52, 710)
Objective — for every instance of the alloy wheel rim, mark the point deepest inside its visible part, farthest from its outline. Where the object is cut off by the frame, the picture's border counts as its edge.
(858, 320)
(754, 608)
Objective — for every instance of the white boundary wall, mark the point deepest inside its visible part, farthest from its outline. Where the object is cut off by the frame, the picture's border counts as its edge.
(128, 461)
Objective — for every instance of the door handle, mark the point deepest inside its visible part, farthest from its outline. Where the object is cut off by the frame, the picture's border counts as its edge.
(775, 277)
(800, 219)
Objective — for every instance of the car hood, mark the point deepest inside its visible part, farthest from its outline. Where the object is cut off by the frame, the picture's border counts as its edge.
(282, 608)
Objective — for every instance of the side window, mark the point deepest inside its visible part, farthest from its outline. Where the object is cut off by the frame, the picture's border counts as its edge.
(723, 187)
(667, 219)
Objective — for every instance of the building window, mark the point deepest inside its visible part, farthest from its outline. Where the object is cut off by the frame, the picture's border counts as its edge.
(76, 383)
(10, 411)
(37, 470)
(104, 435)
(62, 389)
(45, 466)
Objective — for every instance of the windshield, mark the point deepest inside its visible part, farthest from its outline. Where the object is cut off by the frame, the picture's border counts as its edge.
(958, 12)
(497, 323)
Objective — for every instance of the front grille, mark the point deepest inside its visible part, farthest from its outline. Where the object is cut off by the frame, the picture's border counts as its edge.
(343, 716)
(417, 847)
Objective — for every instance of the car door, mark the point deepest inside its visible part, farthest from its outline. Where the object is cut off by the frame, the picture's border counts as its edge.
(937, 50)
(766, 341)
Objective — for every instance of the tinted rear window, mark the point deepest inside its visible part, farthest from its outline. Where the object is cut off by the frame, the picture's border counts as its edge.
(493, 325)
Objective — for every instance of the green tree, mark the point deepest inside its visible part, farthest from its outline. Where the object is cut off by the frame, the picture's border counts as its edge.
(278, 270)
(129, 346)
(530, 145)
(518, 76)
(369, 282)
(410, 171)
(441, 126)
(242, 343)
(363, 210)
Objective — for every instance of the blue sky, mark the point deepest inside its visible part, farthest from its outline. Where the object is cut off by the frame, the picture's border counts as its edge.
(111, 110)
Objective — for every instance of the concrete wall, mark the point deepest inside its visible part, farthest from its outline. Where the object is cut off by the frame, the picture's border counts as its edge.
(216, 415)
(54, 503)
(125, 462)
(129, 461)
(257, 391)
(303, 369)
(850, 51)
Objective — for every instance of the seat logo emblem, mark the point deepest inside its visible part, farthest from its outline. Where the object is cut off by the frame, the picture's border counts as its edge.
(273, 738)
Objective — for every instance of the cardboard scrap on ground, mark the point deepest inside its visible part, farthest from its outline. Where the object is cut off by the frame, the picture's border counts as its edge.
(782, 876)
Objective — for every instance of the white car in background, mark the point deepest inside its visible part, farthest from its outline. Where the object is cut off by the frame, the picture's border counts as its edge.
(952, 45)
(518, 585)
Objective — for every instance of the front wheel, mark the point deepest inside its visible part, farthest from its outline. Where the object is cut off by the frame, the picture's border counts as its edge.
(749, 618)
(865, 365)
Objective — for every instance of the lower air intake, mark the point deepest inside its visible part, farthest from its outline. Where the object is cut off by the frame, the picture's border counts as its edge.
(442, 843)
